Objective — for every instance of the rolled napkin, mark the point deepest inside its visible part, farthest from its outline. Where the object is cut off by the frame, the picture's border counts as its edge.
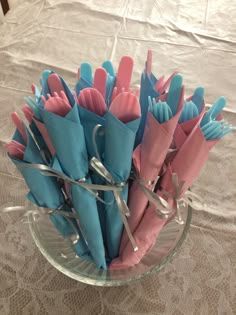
(121, 123)
(92, 108)
(45, 191)
(50, 83)
(150, 87)
(189, 117)
(67, 135)
(149, 156)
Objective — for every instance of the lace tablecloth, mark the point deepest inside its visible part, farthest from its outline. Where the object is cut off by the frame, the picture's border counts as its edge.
(196, 37)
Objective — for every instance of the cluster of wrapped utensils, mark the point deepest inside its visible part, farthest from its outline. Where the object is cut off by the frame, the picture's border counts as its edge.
(112, 166)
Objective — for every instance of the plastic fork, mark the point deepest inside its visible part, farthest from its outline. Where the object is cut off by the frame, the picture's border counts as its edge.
(125, 107)
(92, 100)
(160, 110)
(216, 129)
(189, 111)
(214, 111)
(122, 90)
(57, 105)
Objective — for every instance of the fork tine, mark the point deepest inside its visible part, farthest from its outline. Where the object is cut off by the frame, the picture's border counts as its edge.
(82, 99)
(43, 99)
(63, 96)
(32, 106)
(206, 126)
(33, 100)
(88, 99)
(210, 131)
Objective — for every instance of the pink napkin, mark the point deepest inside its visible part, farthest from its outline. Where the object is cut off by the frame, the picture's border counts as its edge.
(148, 158)
(184, 129)
(187, 163)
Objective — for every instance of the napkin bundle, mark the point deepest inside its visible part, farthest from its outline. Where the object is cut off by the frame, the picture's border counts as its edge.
(115, 161)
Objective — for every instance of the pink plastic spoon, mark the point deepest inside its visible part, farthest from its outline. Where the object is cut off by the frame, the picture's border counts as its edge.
(16, 149)
(19, 125)
(92, 100)
(99, 81)
(28, 113)
(54, 83)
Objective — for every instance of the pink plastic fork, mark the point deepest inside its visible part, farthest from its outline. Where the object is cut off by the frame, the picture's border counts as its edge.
(99, 81)
(92, 100)
(125, 107)
(57, 105)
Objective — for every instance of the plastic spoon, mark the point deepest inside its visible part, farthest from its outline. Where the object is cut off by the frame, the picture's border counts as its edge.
(19, 125)
(86, 72)
(174, 93)
(100, 80)
(198, 97)
(124, 74)
(16, 149)
(54, 83)
(107, 65)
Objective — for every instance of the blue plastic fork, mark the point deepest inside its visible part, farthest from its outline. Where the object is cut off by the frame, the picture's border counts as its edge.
(189, 111)
(161, 110)
(214, 111)
(216, 129)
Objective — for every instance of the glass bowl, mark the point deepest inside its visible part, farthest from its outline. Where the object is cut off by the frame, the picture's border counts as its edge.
(58, 251)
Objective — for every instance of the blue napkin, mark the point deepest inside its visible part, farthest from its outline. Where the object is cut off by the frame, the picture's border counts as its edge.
(119, 143)
(45, 190)
(68, 139)
(146, 89)
(89, 120)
